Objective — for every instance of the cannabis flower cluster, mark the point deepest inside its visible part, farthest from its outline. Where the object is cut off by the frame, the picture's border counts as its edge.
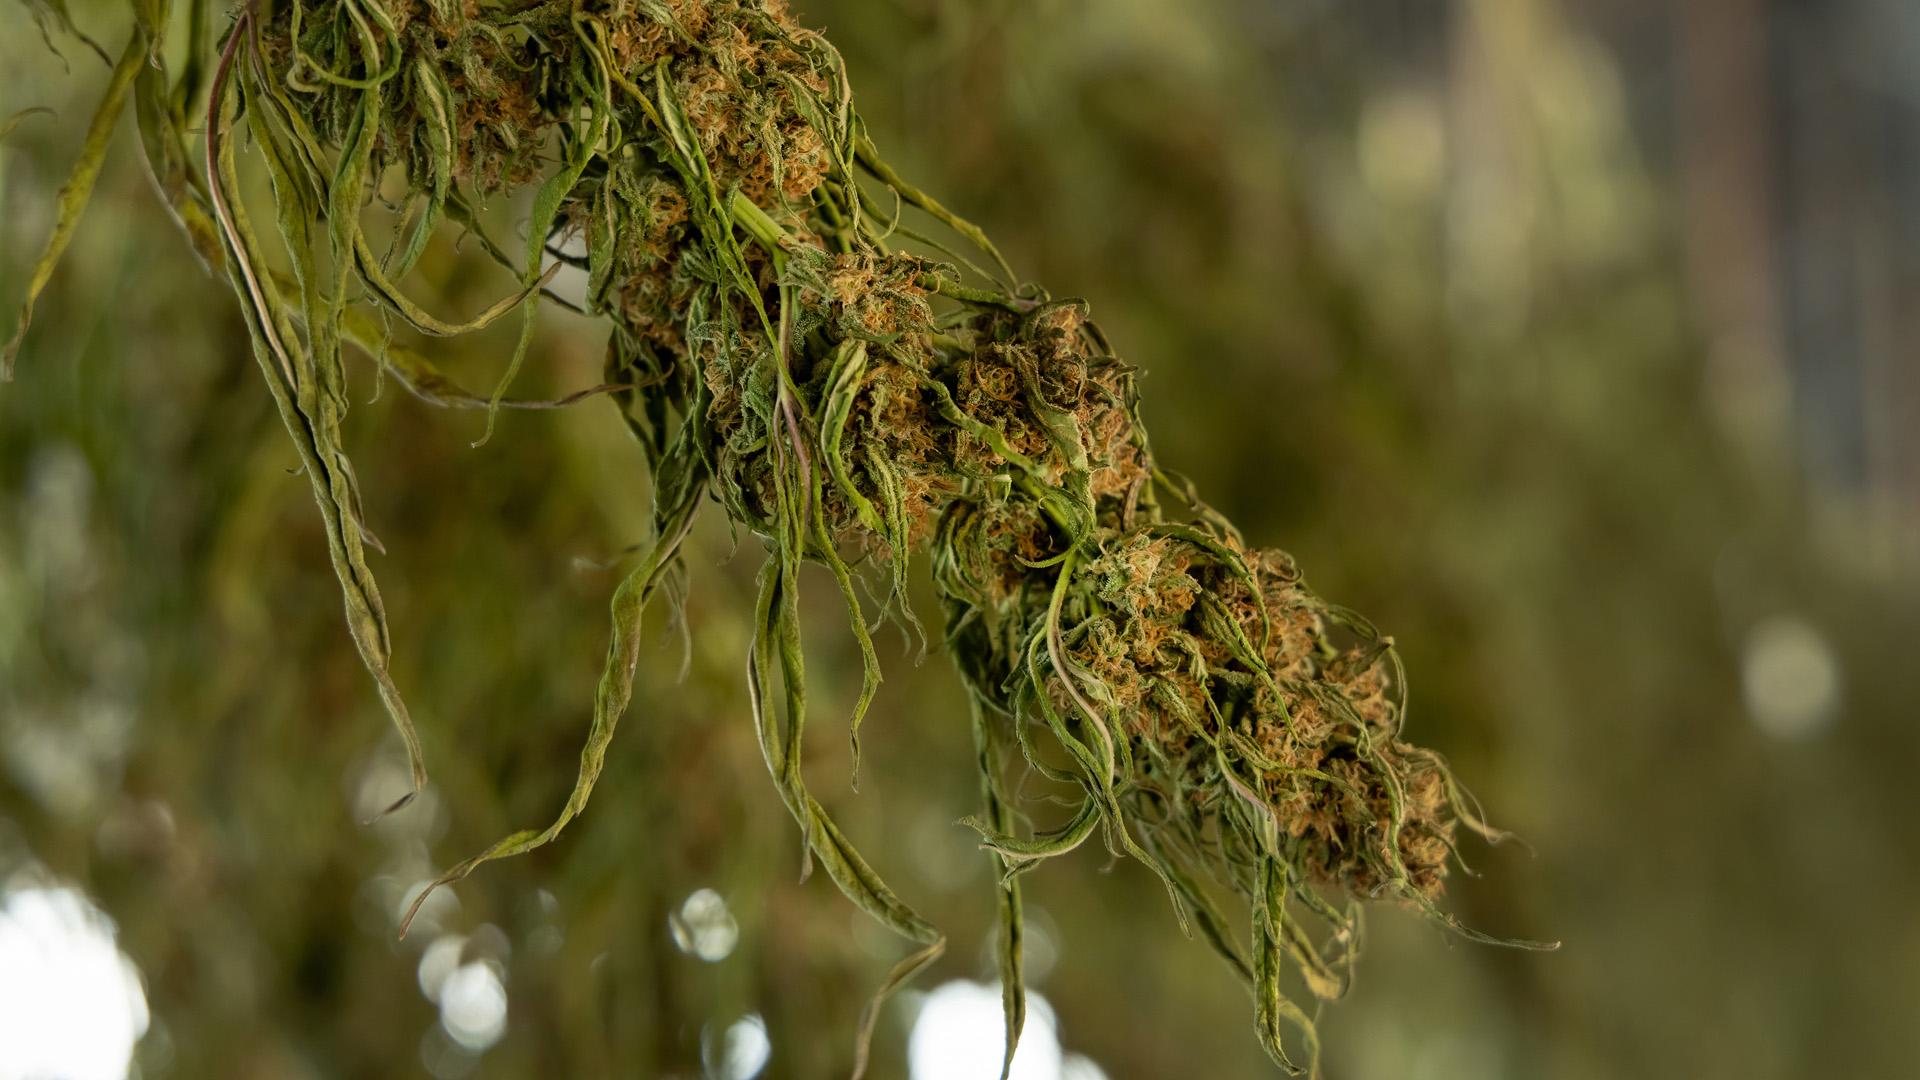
(776, 350)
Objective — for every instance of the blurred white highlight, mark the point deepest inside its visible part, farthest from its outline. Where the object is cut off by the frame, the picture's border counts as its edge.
(71, 1004)
(441, 960)
(473, 1005)
(704, 927)
(960, 1034)
(743, 1051)
(1791, 679)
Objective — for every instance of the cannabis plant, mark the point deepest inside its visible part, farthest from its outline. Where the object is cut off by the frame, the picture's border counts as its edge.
(848, 391)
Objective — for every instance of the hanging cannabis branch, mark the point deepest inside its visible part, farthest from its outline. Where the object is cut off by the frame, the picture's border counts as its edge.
(848, 403)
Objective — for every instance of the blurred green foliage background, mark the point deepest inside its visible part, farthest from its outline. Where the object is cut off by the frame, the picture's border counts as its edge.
(1487, 310)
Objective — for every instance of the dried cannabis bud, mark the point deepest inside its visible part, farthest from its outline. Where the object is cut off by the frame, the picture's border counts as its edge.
(847, 402)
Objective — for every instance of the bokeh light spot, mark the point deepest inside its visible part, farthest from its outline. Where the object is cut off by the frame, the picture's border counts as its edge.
(960, 1034)
(473, 1005)
(743, 1050)
(1791, 678)
(704, 927)
(71, 1004)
